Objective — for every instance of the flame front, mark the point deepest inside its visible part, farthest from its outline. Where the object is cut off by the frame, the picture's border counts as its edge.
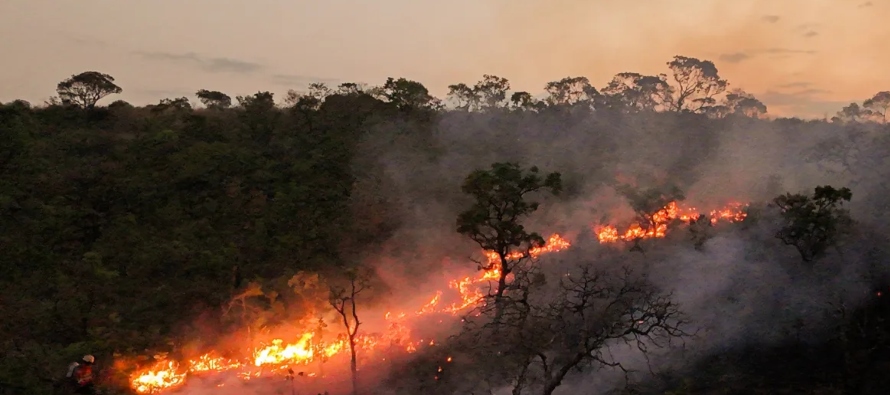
(163, 375)
(277, 354)
(657, 223)
(166, 375)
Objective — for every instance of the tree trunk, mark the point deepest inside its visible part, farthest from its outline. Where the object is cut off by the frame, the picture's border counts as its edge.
(499, 293)
(555, 380)
(353, 365)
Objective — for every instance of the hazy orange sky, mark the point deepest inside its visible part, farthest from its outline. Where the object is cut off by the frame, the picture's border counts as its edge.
(801, 57)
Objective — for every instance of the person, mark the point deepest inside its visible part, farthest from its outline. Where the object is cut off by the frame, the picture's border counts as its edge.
(80, 376)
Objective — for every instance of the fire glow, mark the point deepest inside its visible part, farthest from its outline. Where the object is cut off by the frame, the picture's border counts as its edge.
(660, 220)
(277, 356)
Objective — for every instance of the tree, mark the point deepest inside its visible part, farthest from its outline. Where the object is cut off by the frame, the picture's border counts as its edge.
(343, 300)
(407, 95)
(742, 103)
(697, 84)
(570, 91)
(86, 89)
(652, 209)
(634, 91)
(350, 88)
(812, 224)
(464, 96)
(700, 231)
(259, 115)
(491, 91)
(215, 100)
(313, 99)
(878, 105)
(524, 101)
(178, 104)
(500, 197)
(590, 310)
(850, 113)
(250, 315)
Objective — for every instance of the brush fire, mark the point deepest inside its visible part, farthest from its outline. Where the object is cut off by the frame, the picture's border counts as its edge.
(307, 353)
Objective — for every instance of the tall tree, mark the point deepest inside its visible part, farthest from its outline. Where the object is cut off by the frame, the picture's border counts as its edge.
(463, 96)
(488, 93)
(570, 91)
(86, 89)
(407, 95)
(697, 84)
(492, 91)
(851, 113)
(878, 105)
(500, 201)
(634, 91)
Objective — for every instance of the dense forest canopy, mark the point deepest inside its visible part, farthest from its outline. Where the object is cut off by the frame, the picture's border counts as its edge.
(596, 216)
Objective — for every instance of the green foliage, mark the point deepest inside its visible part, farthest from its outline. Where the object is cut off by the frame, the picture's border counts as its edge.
(120, 225)
(117, 232)
(500, 201)
(813, 224)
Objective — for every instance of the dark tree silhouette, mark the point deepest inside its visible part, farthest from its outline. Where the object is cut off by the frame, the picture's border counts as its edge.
(500, 201)
(214, 99)
(812, 224)
(86, 89)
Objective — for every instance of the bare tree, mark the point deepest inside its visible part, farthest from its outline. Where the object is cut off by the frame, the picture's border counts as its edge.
(248, 313)
(573, 326)
(343, 300)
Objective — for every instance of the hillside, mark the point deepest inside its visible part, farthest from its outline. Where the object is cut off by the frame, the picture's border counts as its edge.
(130, 232)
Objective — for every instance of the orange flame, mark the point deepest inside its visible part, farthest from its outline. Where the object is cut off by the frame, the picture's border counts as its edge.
(659, 221)
(161, 376)
(167, 375)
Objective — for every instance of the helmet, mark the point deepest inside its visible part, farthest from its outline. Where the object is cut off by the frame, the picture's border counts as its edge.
(89, 358)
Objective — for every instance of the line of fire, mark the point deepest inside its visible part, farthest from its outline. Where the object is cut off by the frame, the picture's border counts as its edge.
(310, 356)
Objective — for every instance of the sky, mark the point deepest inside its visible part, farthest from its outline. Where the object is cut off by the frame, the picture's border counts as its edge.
(804, 58)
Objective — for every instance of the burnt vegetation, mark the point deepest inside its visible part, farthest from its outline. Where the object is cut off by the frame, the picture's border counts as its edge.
(129, 231)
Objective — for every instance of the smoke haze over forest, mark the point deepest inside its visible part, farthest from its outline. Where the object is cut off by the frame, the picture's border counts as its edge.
(703, 210)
